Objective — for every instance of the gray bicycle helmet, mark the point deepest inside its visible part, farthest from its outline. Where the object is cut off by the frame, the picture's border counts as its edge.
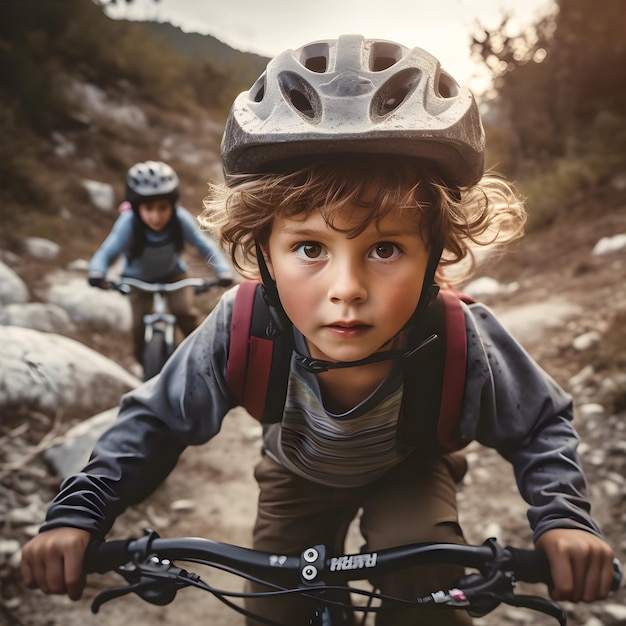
(151, 179)
(355, 95)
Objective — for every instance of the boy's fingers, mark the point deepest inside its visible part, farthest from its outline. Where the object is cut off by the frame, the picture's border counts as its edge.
(580, 565)
(591, 590)
(562, 577)
(606, 576)
(34, 573)
(598, 574)
(567, 574)
(40, 575)
(582, 575)
(55, 577)
(26, 571)
(74, 576)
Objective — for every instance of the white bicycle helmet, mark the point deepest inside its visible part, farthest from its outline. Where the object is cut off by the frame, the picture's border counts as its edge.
(151, 179)
(355, 95)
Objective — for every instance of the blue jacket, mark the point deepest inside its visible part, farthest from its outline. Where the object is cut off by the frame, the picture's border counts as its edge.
(159, 260)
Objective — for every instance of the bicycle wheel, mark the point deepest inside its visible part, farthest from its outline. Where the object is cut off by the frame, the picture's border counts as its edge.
(155, 353)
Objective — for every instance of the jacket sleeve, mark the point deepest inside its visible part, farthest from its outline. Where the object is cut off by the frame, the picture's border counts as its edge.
(184, 405)
(513, 405)
(118, 242)
(208, 248)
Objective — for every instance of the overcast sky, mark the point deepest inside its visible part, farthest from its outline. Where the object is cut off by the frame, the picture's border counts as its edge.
(268, 27)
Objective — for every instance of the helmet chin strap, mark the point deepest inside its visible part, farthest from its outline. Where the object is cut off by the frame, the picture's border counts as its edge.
(317, 366)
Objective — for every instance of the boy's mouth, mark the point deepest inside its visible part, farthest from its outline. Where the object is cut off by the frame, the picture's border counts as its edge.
(348, 328)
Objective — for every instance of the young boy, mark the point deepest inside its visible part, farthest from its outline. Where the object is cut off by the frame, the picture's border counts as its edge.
(350, 166)
(151, 235)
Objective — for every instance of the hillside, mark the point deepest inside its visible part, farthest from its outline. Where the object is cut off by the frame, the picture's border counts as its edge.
(209, 48)
(83, 97)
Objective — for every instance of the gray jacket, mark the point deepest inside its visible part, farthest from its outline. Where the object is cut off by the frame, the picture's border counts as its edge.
(510, 404)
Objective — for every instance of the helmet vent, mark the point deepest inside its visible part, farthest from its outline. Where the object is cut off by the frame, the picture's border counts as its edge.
(316, 64)
(257, 91)
(394, 92)
(258, 96)
(384, 55)
(446, 86)
(301, 102)
(315, 57)
(300, 95)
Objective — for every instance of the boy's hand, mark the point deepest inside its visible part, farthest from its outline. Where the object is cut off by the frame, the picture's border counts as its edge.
(581, 564)
(53, 561)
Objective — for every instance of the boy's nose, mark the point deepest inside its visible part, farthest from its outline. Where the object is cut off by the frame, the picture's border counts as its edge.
(346, 284)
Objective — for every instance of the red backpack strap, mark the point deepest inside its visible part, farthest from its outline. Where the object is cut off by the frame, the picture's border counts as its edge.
(237, 364)
(247, 354)
(463, 297)
(259, 357)
(434, 381)
(454, 372)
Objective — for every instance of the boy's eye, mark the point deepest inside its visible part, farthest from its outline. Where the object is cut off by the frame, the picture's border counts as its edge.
(309, 250)
(385, 250)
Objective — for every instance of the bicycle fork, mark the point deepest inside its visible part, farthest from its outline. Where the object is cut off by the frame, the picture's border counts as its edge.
(159, 315)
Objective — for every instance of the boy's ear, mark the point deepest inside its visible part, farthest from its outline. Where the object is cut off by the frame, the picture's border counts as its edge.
(268, 260)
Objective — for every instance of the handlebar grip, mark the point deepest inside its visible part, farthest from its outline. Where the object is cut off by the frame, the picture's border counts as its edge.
(618, 575)
(532, 566)
(105, 556)
(204, 287)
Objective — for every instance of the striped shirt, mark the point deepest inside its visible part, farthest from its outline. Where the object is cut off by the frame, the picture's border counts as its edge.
(347, 450)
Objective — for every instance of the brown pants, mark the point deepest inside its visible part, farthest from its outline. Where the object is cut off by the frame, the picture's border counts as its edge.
(180, 303)
(412, 503)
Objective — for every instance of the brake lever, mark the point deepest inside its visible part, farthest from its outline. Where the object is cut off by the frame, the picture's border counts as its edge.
(535, 603)
(484, 595)
(153, 580)
(118, 592)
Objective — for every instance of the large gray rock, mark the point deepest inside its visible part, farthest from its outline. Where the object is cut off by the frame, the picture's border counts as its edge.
(41, 248)
(101, 194)
(47, 372)
(101, 310)
(70, 456)
(48, 318)
(12, 287)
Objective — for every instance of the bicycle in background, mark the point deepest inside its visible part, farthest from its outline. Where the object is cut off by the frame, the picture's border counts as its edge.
(148, 566)
(159, 325)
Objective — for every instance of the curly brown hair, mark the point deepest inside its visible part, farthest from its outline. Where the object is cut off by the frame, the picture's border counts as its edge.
(455, 220)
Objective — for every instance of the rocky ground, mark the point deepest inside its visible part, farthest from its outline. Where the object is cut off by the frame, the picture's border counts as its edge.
(568, 309)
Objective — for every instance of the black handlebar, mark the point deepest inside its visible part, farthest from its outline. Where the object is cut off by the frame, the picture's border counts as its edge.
(200, 285)
(526, 565)
(147, 564)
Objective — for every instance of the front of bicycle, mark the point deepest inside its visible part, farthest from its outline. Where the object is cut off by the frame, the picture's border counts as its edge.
(159, 339)
(148, 565)
(160, 325)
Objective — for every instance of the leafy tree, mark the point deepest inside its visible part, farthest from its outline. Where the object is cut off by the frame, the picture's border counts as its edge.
(561, 87)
